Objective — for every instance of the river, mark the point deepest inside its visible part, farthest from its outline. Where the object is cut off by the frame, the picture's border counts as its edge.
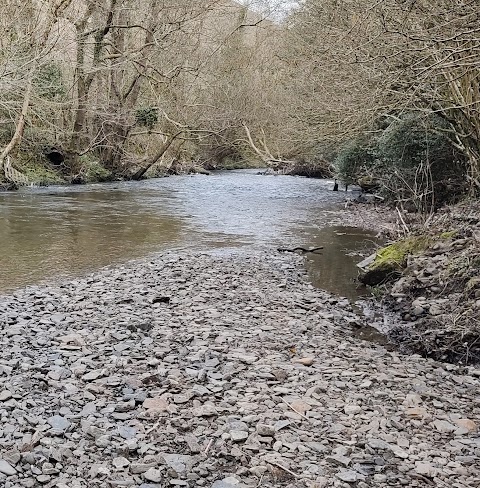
(56, 232)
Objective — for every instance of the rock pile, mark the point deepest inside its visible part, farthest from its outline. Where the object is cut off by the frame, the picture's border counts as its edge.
(219, 372)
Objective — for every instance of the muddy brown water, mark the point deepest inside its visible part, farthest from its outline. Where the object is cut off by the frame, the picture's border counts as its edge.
(57, 232)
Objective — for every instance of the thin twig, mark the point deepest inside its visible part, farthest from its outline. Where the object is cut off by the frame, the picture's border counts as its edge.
(403, 221)
(208, 447)
(296, 411)
(274, 463)
(155, 426)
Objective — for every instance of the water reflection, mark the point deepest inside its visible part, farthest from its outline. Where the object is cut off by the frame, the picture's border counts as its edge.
(56, 231)
(47, 235)
(336, 265)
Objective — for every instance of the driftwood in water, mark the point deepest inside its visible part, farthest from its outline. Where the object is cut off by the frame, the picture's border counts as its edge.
(302, 249)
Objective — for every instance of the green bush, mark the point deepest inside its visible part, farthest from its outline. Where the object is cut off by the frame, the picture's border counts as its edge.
(411, 161)
(355, 160)
(147, 117)
(95, 172)
(413, 140)
(418, 163)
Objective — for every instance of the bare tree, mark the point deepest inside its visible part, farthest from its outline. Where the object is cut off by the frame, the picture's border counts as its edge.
(25, 48)
(349, 63)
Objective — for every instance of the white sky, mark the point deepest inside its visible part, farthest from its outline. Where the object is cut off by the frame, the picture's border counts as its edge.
(277, 8)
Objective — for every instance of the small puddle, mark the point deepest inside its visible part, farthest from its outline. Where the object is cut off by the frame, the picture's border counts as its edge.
(335, 270)
(380, 324)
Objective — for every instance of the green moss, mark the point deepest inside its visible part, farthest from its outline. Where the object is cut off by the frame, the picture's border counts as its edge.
(395, 255)
(448, 235)
(40, 174)
(390, 260)
(95, 172)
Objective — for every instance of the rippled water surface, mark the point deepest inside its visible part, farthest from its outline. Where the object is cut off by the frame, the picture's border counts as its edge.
(46, 233)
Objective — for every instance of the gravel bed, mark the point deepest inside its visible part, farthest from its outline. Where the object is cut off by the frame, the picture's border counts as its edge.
(217, 371)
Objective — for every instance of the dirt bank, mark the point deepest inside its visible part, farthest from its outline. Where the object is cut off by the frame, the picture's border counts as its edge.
(432, 273)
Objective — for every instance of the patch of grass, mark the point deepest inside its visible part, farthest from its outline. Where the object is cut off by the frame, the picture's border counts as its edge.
(39, 172)
(448, 235)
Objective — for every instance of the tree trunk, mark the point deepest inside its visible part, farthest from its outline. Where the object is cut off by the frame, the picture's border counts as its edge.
(139, 174)
(20, 128)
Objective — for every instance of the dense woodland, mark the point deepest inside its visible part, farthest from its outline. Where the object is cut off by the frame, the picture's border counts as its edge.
(383, 94)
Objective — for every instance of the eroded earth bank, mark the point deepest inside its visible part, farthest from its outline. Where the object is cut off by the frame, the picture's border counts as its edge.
(223, 372)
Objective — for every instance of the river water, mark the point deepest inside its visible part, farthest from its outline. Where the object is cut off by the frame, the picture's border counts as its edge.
(56, 232)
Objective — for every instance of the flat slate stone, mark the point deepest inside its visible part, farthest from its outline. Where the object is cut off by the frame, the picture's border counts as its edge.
(7, 468)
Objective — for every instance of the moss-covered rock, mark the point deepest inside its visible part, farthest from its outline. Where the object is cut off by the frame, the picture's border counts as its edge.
(390, 260)
(95, 172)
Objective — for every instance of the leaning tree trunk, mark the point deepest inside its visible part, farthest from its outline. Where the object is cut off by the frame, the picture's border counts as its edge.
(20, 127)
(141, 172)
(265, 155)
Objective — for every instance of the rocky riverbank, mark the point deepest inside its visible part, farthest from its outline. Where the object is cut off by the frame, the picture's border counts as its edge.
(220, 372)
(429, 275)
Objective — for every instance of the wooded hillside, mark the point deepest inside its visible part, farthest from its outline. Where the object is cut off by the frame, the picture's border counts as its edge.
(122, 83)
(384, 94)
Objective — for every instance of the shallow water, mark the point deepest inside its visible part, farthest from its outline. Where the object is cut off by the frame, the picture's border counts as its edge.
(47, 233)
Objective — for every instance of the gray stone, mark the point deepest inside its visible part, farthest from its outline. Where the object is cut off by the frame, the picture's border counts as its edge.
(352, 409)
(139, 468)
(120, 462)
(7, 468)
(59, 424)
(349, 476)
(339, 460)
(238, 435)
(153, 474)
(127, 432)
(178, 462)
(266, 430)
(205, 411)
(43, 478)
(426, 469)
(444, 426)
(229, 482)
(378, 444)
(5, 395)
